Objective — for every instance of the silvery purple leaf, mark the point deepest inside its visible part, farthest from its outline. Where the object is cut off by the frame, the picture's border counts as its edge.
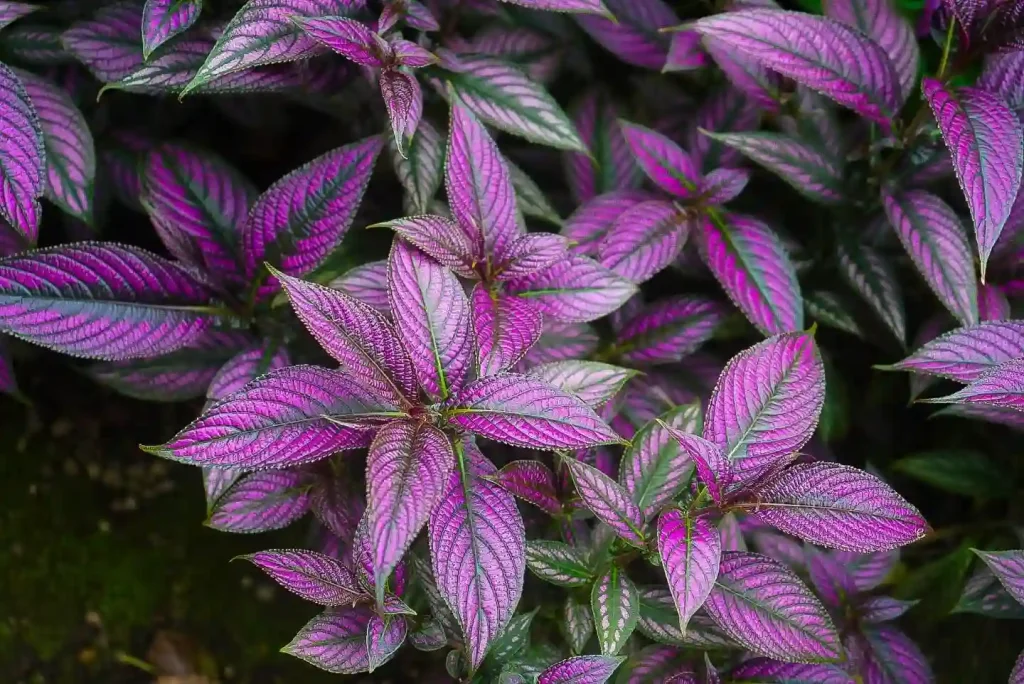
(731, 531)
(479, 189)
(768, 670)
(690, 550)
(724, 185)
(572, 6)
(656, 664)
(937, 243)
(367, 283)
(505, 327)
(765, 607)
(533, 482)
(264, 32)
(560, 342)
(217, 481)
(432, 316)
(594, 382)
(532, 50)
(873, 277)
(384, 636)
(750, 262)
(420, 170)
(504, 97)
(403, 98)
(838, 507)
(760, 86)
(22, 151)
(993, 304)
(685, 53)
(878, 609)
(659, 621)
(608, 501)
(110, 44)
(558, 563)
(309, 575)
(288, 417)
(531, 199)
(261, 502)
(360, 338)
(1008, 567)
(766, 404)
(644, 240)
(868, 570)
(338, 505)
(819, 53)
(986, 141)
(713, 468)
(577, 624)
(12, 11)
(429, 637)
(589, 225)
(725, 109)
(591, 669)
(616, 607)
(69, 150)
(351, 39)
(1001, 388)
(654, 469)
(965, 354)
(335, 640)
(576, 290)
(811, 171)
(985, 595)
(831, 582)
(165, 19)
(302, 217)
(524, 411)
(407, 471)
(780, 547)
(881, 22)
(411, 55)
(198, 204)
(669, 329)
(244, 367)
(1003, 75)
(893, 658)
(533, 252)
(664, 162)
(612, 166)
(442, 239)
(635, 35)
(477, 549)
(101, 301)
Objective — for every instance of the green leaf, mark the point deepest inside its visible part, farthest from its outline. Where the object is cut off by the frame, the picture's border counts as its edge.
(959, 471)
(616, 607)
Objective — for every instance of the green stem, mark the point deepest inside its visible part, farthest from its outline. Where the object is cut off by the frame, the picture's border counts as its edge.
(946, 48)
(135, 662)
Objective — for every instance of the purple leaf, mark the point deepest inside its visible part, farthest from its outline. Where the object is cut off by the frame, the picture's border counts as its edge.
(506, 327)
(411, 55)
(533, 252)
(351, 39)
(654, 469)
(616, 607)
(264, 32)
(432, 317)
(261, 502)
(165, 19)
(302, 217)
(526, 412)
(577, 624)
(1017, 675)
(819, 53)
(367, 283)
(407, 471)
(591, 669)
(101, 301)
(337, 504)
(244, 367)
(894, 658)
(690, 551)
(746, 74)
(558, 563)
(198, 204)
(12, 11)
(724, 185)
(808, 169)
(766, 404)
(612, 166)
(477, 549)
(1001, 387)
(504, 97)
(442, 239)
(992, 304)
(403, 98)
(725, 109)
(288, 417)
(878, 609)
(659, 621)
(768, 670)
(531, 481)
(573, 6)
(937, 243)
(830, 580)
(309, 575)
(873, 277)
(479, 189)
(965, 354)
(608, 501)
(986, 142)
(1004, 75)
(533, 51)
(217, 481)
(594, 382)
(421, 168)
(335, 640)
(384, 636)
(560, 342)
(589, 225)
(669, 330)
(752, 265)
(110, 44)
(766, 608)
(576, 290)
(880, 21)
(868, 570)
(360, 338)
(713, 468)
(684, 53)
(634, 36)
(22, 152)
(1008, 567)
(664, 162)
(644, 240)
(838, 507)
